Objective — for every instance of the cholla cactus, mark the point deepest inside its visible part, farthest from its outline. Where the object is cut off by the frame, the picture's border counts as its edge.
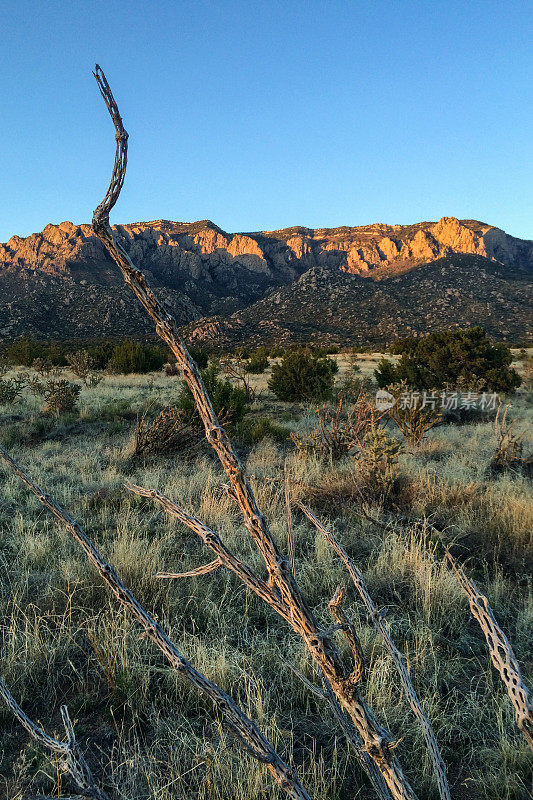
(11, 388)
(61, 396)
(83, 366)
(42, 365)
(378, 470)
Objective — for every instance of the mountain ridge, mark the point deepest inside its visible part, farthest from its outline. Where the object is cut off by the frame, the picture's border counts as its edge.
(61, 283)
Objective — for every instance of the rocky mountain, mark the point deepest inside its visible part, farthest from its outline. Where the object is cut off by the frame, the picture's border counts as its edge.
(370, 282)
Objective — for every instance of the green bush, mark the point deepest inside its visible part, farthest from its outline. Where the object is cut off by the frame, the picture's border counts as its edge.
(11, 389)
(252, 431)
(24, 351)
(448, 359)
(61, 397)
(228, 401)
(101, 354)
(277, 351)
(131, 356)
(303, 375)
(258, 361)
(200, 356)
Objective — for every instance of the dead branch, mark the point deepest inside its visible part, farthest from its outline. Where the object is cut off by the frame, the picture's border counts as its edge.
(334, 605)
(73, 761)
(205, 569)
(500, 650)
(247, 732)
(358, 580)
(290, 534)
(281, 581)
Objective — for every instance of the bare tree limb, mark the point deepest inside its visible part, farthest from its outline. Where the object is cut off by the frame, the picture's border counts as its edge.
(376, 740)
(290, 534)
(246, 730)
(500, 649)
(358, 580)
(73, 761)
(334, 605)
(205, 569)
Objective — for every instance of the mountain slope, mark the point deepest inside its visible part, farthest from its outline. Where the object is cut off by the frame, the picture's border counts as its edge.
(60, 283)
(338, 308)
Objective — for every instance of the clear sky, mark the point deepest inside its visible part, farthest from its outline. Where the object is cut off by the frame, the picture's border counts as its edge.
(261, 114)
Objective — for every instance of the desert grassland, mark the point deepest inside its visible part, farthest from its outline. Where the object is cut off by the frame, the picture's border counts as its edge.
(147, 732)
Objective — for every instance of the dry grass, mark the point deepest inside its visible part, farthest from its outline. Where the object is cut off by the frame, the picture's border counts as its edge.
(65, 640)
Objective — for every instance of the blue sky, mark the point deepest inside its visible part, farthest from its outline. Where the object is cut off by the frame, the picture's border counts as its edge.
(262, 115)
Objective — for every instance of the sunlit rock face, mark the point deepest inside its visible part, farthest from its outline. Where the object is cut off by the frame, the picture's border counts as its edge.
(61, 282)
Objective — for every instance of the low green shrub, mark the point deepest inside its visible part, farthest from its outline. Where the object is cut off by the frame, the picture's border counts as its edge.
(258, 361)
(252, 431)
(229, 401)
(135, 357)
(447, 358)
(61, 397)
(303, 375)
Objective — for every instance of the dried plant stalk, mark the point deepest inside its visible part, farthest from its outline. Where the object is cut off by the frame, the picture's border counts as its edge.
(247, 733)
(285, 595)
(72, 758)
(358, 580)
(500, 650)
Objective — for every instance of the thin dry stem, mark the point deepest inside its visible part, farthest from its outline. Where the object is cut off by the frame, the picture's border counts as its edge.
(247, 732)
(72, 760)
(358, 580)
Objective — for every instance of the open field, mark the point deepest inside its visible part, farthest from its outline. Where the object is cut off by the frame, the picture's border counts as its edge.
(147, 732)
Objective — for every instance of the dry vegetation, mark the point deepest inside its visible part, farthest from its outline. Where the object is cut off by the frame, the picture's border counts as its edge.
(317, 707)
(146, 732)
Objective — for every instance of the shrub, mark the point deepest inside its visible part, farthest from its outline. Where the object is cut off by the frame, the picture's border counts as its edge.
(228, 401)
(414, 416)
(130, 357)
(24, 351)
(101, 354)
(302, 375)
(83, 366)
(61, 397)
(509, 454)
(277, 351)
(252, 431)
(171, 431)
(42, 365)
(446, 357)
(338, 432)
(258, 361)
(171, 369)
(200, 356)
(11, 389)
(378, 472)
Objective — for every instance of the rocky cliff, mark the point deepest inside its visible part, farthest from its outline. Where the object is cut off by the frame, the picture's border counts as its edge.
(60, 283)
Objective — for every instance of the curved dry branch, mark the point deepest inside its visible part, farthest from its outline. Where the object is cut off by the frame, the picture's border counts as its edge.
(205, 569)
(500, 649)
(358, 580)
(248, 734)
(376, 740)
(334, 605)
(73, 761)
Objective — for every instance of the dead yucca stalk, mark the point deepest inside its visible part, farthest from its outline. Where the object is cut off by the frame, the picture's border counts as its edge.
(281, 590)
(399, 662)
(501, 652)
